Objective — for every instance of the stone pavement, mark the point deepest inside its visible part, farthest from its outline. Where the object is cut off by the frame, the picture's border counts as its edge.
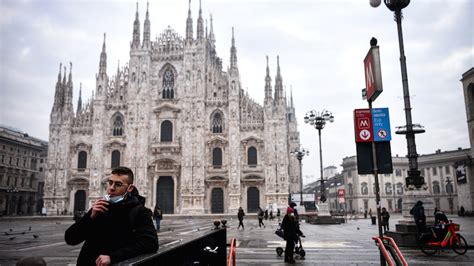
(344, 244)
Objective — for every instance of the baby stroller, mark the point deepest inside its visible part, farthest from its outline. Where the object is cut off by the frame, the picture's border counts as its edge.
(298, 246)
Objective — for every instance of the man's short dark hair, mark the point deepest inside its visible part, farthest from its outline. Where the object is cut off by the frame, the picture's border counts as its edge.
(121, 170)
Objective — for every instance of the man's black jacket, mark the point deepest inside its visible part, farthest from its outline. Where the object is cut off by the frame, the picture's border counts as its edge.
(112, 233)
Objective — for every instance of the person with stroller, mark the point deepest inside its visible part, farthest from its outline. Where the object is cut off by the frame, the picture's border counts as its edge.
(289, 226)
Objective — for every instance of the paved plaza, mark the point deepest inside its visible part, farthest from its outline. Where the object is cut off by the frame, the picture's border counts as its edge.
(344, 244)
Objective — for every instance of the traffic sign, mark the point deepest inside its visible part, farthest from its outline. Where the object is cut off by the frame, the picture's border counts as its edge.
(363, 125)
(381, 124)
(373, 73)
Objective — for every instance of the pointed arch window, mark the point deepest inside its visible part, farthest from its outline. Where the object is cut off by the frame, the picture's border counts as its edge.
(117, 129)
(82, 161)
(166, 131)
(217, 157)
(217, 123)
(252, 156)
(115, 162)
(350, 189)
(168, 84)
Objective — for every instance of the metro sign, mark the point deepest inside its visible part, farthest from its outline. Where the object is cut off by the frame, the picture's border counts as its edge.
(363, 125)
(373, 73)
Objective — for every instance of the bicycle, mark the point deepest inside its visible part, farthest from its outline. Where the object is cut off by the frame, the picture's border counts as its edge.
(451, 240)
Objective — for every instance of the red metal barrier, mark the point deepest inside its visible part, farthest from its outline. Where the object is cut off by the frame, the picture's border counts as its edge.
(382, 248)
(231, 258)
(380, 243)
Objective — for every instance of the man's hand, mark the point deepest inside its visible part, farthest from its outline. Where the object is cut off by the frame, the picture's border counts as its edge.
(102, 260)
(100, 206)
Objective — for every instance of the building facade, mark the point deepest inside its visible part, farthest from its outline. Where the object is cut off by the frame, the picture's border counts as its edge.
(439, 170)
(466, 168)
(195, 140)
(22, 168)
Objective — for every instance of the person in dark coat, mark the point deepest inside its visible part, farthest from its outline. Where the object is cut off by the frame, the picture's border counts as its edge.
(240, 216)
(266, 214)
(117, 227)
(158, 216)
(278, 214)
(418, 212)
(439, 227)
(290, 234)
(385, 217)
(260, 218)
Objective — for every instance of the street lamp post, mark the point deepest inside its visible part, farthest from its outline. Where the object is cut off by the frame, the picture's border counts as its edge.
(300, 153)
(318, 120)
(414, 177)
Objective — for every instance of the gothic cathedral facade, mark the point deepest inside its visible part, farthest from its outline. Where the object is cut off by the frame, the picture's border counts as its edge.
(195, 140)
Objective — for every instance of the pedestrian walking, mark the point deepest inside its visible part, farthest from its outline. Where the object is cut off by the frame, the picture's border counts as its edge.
(385, 217)
(260, 218)
(266, 215)
(370, 213)
(278, 214)
(271, 215)
(462, 211)
(240, 216)
(117, 227)
(158, 216)
(289, 234)
(418, 212)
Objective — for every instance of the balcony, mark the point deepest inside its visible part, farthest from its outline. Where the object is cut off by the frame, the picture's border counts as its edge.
(217, 169)
(252, 168)
(173, 147)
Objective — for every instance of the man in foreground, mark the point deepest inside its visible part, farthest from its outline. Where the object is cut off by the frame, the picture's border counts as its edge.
(117, 227)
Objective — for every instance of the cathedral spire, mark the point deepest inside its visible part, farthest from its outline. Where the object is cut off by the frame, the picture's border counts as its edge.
(136, 31)
(189, 25)
(79, 101)
(278, 82)
(146, 29)
(103, 60)
(268, 84)
(64, 77)
(58, 93)
(200, 24)
(211, 32)
(233, 53)
(69, 84)
(291, 97)
(59, 73)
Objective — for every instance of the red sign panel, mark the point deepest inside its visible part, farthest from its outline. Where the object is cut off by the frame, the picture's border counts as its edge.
(363, 125)
(341, 195)
(373, 74)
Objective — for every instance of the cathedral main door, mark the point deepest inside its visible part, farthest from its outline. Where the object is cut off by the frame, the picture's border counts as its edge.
(80, 201)
(165, 194)
(217, 200)
(253, 199)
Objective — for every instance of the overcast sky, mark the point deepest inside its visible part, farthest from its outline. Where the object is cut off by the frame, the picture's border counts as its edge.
(321, 44)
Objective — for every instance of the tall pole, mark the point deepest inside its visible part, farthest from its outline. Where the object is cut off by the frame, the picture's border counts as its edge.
(322, 198)
(300, 157)
(377, 192)
(414, 177)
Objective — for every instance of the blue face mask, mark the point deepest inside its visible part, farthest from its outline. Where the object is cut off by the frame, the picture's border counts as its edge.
(115, 199)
